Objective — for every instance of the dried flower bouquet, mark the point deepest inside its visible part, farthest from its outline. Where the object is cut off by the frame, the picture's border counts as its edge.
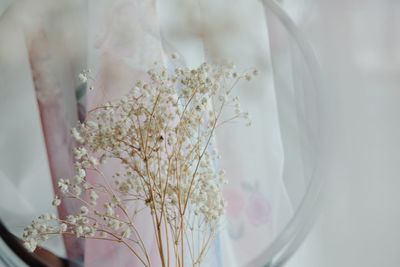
(163, 135)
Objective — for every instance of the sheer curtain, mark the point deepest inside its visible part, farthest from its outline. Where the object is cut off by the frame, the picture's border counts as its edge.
(39, 64)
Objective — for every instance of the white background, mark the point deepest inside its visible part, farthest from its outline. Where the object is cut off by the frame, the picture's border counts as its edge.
(357, 44)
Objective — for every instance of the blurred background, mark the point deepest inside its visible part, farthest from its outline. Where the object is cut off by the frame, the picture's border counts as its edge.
(357, 45)
(343, 131)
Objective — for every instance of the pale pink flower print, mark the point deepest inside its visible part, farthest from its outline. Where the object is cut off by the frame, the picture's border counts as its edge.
(258, 209)
(236, 203)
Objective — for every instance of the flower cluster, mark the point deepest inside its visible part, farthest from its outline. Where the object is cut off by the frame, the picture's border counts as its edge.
(162, 133)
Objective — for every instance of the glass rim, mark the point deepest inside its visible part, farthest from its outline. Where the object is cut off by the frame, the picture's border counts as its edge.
(295, 231)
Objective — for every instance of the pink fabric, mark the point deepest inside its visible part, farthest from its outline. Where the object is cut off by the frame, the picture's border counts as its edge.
(55, 127)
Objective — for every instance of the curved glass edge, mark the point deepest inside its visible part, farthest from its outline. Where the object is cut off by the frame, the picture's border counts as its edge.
(291, 237)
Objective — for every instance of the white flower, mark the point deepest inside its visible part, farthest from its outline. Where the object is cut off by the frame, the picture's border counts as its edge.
(93, 196)
(63, 227)
(93, 161)
(79, 231)
(78, 179)
(92, 124)
(77, 136)
(162, 133)
(76, 190)
(81, 173)
(109, 210)
(84, 210)
(71, 219)
(56, 201)
(126, 233)
(63, 185)
(114, 224)
(30, 245)
(83, 77)
(80, 153)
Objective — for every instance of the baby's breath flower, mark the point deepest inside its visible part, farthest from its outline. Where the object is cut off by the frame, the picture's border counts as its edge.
(30, 245)
(93, 197)
(56, 201)
(80, 153)
(93, 161)
(84, 210)
(76, 135)
(76, 190)
(63, 185)
(83, 77)
(63, 227)
(71, 219)
(126, 233)
(81, 173)
(163, 135)
(79, 231)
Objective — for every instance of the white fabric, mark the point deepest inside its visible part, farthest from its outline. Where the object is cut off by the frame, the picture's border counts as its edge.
(24, 173)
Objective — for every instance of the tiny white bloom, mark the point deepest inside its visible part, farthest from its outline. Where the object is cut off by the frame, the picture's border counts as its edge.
(81, 172)
(84, 210)
(93, 195)
(77, 136)
(83, 77)
(126, 233)
(56, 201)
(63, 227)
(63, 185)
